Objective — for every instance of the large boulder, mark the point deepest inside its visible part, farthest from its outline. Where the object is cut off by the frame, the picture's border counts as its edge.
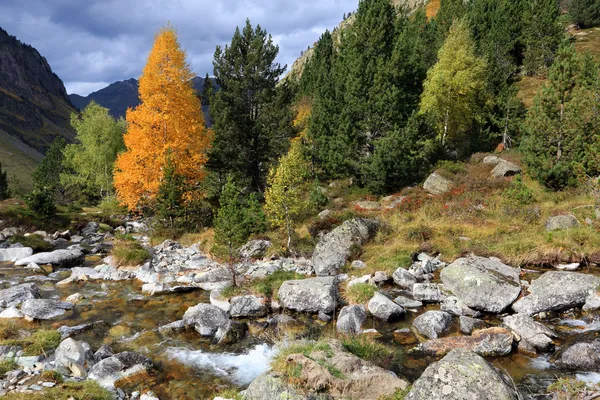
(73, 357)
(247, 306)
(271, 385)
(429, 292)
(120, 366)
(351, 318)
(205, 318)
(530, 331)
(556, 291)
(255, 248)
(311, 295)
(65, 258)
(15, 253)
(462, 375)
(484, 284)
(404, 279)
(505, 168)
(437, 184)
(455, 306)
(15, 295)
(44, 308)
(491, 342)
(333, 250)
(561, 222)
(583, 355)
(432, 323)
(383, 308)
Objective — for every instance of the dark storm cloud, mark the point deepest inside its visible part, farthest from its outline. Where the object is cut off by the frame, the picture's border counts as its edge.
(92, 43)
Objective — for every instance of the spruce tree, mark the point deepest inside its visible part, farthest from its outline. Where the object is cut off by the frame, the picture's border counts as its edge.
(207, 91)
(47, 174)
(4, 189)
(170, 198)
(585, 13)
(542, 35)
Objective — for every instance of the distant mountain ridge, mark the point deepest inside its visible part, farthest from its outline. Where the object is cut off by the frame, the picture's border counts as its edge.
(121, 95)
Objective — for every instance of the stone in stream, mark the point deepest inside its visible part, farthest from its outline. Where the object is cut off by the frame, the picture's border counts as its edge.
(247, 306)
(73, 357)
(64, 258)
(205, 318)
(432, 323)
(454, 306)
(561, 222)
(217, 300)
(404, 336)
(14, 254)
(44, 308)
(312, 295)
(484, 284)
(583, 355)
(557, 291)
(230, 332)
(468, 324)
(530, 331)
(351, 318)
(406, 302)
(103, 352)
(429, 292)
(491, 342)
(15, 295)
(383, 308)
(334, 249)
(120, 366)
(592, 302)
(404, 279)
(67, 331)
(462, 375)
(437, 184)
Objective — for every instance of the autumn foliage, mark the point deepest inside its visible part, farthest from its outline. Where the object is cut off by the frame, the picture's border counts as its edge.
(169, 120)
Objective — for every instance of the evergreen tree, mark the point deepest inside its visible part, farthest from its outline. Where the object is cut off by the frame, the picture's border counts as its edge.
(207, 91)
(247, 74)
(170, 198)
(585, 13)
(542, 34)
(4, 189)
(47, 174)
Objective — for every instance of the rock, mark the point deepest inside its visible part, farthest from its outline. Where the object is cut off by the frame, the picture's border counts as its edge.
(357, 264)
(173, 327)
(557, 291)
(454, 306)
(484, 284)
(333, 250)
(406, 302)
(247, 306)
(12, 377)
(71, 352)
(432, 323)
(205, 318)
(568, 267)
(66, 258)
(272, 386)
(14, 254)
(561, 222)
(429, 292)
(505, 168)
(367, 205)
(356, 281)
(581, 356)
(325, 214)
(404, 279)
(383, 308)
(66, 331)
(535, 333)
(351, 318)
(461, 375)
(149, 396)
(492, 160)
(217, 300)
(44, 308)
(11, 312)
(75, 298)
(437, 184)
(103, 352)
(255, 249)
(230, 332)
(379, 277)
(91, 228)
(15, 295)
(491, 342)
(592, 302)
(310, 295)
(404, 336)
(468, 324)
(120, 366)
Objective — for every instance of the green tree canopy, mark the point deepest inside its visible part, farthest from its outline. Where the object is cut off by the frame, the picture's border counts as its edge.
(4, 189)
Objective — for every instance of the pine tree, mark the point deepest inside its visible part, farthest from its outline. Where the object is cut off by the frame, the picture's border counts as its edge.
(453, 90)
(47, 174)
(207, 91)
(169, 118)
(4, 189)
(585, 13)
(247, 74)
(89, 164)
(170, 198)
(542, 34)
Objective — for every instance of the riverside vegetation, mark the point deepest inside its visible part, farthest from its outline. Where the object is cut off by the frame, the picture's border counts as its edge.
(399, 219)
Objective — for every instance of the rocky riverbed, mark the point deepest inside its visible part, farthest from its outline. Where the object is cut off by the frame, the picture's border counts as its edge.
(170, 328)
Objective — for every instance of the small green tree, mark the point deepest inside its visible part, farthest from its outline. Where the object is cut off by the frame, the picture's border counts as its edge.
(4, 189)
(285, 198)
(41, 201)
(47, 174)
(169, 201)
(585, 13)
(542, 35)
(207, 91)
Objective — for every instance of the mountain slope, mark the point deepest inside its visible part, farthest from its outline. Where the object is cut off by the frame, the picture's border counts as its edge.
(34, 107)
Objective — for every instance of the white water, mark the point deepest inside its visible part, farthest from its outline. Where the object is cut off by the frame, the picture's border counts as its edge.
(240, 368)
(589, 377)
(582, 325)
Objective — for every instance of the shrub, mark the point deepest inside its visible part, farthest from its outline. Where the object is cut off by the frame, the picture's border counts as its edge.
(111, 205)
(127, 252)
(7, 365)
(41, 202)
(453, 167)
(519, 192)
(359, 293)
(36, 242)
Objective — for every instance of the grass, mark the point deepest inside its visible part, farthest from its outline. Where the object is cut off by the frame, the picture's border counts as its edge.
(7, 365)
(85, 390)
(398, 394)
(293, 371)
(129, 253)
(569, 388)
(229, 394)
(359, 293)
(528, 87)
(36, 242)
(40, 342)
(50, 375)
(368, 349)
(588, 40)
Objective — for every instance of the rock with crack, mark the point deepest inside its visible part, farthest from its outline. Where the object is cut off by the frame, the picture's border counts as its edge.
(205, 318)
(557, 291)
(334, 249)
(15, 295)
(312, 295)
(44, 308)
(351, 318)
(64, 258)
(380, 306)
(432, 323)
(247, 306)
(462, 375)
(484, 284)
(530, 331)
(125, 365)
(491, 342)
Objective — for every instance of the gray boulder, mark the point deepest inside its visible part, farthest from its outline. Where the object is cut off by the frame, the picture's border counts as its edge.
(432, 323)
(247, 306)
(462, 375)
(534, 333)
(561, 222)
(406, 302)
(270, 386)
(103, 352)
(581, 356)
(255, 248)
(231, 332)
(437, 184)
(455, 306)
(383, 308)
(15, 295)
(44, 308)
(404, 279)
(492, 160)
(15, 253)
(468, 324)
(73, 357)
(429, 292)
(311, 295)
(484, 284)
(333, 250)
(205, 318)
(120, 366)
(351, 318)
(491, 342)
(505, 168)
(557, 291)
(66, 258)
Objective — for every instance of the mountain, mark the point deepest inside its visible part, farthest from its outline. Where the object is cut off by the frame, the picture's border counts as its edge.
(119, 96)
(34, 109)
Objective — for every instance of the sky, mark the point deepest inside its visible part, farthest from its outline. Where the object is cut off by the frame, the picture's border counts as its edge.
(92, 43)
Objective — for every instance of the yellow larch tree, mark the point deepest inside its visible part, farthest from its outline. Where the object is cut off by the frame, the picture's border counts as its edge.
(168, 123)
